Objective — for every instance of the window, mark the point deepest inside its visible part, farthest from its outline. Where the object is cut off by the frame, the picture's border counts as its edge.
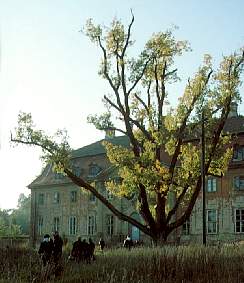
(238, 154)
(73, 196)
(56, 223)
(212, 185)
(186, 227)
(40, 225)
(72, 225)
(94, 169)
(110, 225)
(92, 198)
(76, 171)
(212, 221)
(238, 182)
(41, 199)
(58, 176)
(239, 221)
(109, 194)
(56, 197)
(91, 227)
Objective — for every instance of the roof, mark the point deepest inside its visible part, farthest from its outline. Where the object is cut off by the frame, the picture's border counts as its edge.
(48, 177)
(234, 125)
(98, 148)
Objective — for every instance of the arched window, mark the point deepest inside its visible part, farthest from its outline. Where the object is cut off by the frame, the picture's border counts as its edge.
(94, 169)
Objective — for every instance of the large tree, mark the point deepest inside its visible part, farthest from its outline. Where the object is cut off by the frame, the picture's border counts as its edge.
(163, 159)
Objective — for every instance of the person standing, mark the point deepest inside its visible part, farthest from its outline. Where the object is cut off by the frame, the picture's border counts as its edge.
(91, 249)
(76, 252)
(57, 247)
(46, 249)
(128, 243)
(101, 244)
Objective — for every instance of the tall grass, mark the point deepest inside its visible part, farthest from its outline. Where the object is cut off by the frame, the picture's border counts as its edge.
(162, 264)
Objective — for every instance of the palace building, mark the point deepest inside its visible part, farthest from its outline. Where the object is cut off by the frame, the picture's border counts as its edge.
(58, 204)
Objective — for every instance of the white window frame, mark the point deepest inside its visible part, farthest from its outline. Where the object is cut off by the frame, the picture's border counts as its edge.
(211, 185)
(73, 196)
(238, 154)
(76, 171)
(93, 170)
(238, 183)
(186, 228)
(240, 220)
(213, 224)
(110, 224)
(91, 224)
(56, 223)
(72, 225)
(56, 198)
(40, 225)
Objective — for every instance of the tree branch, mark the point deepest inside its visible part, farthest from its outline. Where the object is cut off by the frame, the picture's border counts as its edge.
(142, 102)
(112, 104)
(107, 75)
(128, 35)
(183, 126)
(81, 183)
(177, 203)
(139, 77)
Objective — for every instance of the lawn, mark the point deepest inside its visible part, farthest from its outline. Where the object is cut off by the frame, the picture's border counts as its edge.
(161, 264)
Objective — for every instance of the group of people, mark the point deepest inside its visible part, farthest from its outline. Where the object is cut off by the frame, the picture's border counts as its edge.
(83, 250)
(51, 248)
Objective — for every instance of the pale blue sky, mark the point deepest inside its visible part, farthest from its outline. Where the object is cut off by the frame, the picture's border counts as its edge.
(50, 69)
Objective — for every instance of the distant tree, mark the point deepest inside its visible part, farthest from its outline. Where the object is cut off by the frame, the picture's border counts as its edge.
(7, 225)
(21, 215)
(139, 94)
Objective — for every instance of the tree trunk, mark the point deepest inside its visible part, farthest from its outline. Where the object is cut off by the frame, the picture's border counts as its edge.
(160, 238)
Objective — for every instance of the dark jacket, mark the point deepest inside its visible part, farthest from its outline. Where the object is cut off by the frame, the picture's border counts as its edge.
(46, 250)
(57, 245)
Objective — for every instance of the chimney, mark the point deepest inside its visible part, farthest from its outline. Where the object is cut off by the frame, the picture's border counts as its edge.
(233, 110)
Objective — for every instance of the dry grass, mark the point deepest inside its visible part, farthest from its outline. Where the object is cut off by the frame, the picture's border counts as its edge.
(166, 264)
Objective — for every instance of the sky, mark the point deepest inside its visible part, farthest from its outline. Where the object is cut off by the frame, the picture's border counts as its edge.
(50, 69)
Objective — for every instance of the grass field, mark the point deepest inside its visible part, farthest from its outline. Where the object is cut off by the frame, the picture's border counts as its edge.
(165, 264)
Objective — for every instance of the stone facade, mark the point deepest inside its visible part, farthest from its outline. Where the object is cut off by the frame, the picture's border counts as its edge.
(224, 199)
(58, 204)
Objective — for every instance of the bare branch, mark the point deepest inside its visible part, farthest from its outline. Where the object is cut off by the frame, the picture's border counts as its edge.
(142, 102)
(139, 77)
(107, 75)
(149, 95)
(177, 203)
(142, 128)
(128, 36)
(30, 143)
(113, 104)
(156, 79)
(117, 62)
(114, 129)
(170, 73)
